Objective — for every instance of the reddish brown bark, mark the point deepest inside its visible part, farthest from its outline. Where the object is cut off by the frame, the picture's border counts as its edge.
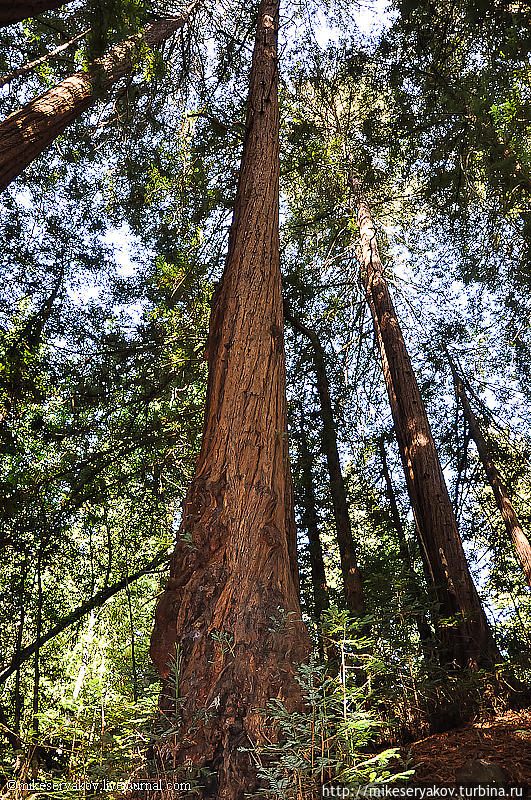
(12, 11)
(232, 575)
(31, 129)
(465, 636)
(510, 518)
(349, 567)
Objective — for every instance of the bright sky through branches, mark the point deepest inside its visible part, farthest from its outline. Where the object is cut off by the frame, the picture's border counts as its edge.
(371, 19)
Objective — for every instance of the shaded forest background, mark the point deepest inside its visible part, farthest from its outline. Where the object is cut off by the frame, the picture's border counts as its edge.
(113, 242)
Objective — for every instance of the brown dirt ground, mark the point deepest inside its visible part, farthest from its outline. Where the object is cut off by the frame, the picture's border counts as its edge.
(504, 739)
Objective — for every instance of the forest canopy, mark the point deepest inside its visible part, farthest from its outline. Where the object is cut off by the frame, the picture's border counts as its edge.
(265, 431)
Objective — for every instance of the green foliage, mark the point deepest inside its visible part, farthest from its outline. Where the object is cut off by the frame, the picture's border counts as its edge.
(89, 725)
(330, 742)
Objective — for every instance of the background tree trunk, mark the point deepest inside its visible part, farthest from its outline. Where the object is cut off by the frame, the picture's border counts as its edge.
(347, 551)
(311, 525)
(510, 518)
(30, 130)
(425, 632)
(228, 630)
(37, 666)
(465, 636)
(13, 11)
(18, 704)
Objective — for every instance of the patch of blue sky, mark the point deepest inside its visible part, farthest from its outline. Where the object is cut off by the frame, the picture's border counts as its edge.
(125, 247)
(135, 312)
(88, 292)
(371, 19)
(374, 17)
(123, 244)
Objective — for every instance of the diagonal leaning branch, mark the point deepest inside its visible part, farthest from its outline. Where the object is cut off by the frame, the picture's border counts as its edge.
(25, 68)
(26, 133)
(65, 622)
(510, 518)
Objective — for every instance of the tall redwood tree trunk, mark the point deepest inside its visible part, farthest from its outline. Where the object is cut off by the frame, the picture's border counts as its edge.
(347, 551)
(229, 620)
(14, 11)
(510, 518)
(30, 130)
(465, 636)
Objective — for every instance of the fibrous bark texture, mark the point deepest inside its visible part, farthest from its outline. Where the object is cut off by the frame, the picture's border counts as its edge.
(228, 631)
(12, 11)
(464, 633)
(347, 551)
(510, 518)
(30, 130)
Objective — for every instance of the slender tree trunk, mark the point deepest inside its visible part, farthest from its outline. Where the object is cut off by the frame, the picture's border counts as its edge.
(228, 630)
(465, 637)
(37, 668)
(349, 566)
(12, 11)
(18, 702)
(510, 518)
(395, 514)
(311, 526)
(31, 129)
(131, 627)
(134, 674)
(109, 551)
(402, 446)
(25, 68)
(425, 632)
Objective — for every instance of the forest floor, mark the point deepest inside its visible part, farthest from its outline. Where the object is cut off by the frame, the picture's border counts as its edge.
(504, 739)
